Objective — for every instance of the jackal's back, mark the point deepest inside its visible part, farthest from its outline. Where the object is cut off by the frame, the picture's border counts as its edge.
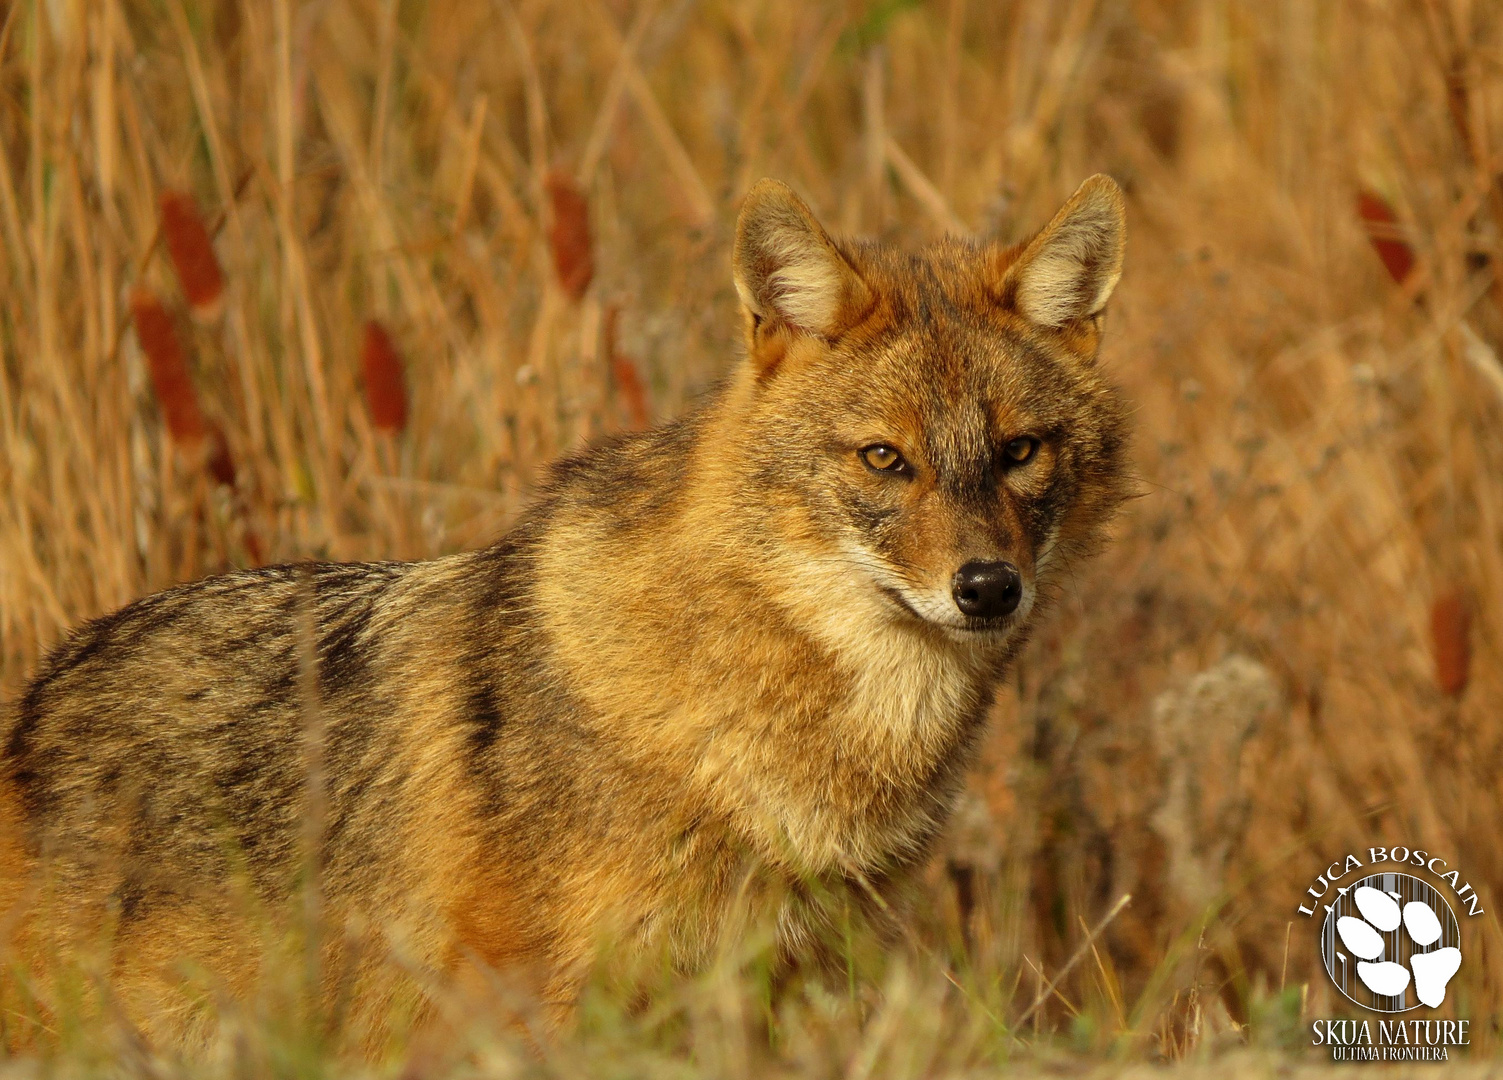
(173, 752)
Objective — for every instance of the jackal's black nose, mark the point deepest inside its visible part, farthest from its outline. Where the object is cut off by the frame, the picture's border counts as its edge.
(987, 590)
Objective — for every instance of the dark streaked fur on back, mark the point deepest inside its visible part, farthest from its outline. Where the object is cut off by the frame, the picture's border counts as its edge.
(726, 647)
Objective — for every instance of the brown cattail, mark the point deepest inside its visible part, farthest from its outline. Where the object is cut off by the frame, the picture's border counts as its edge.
(624, 373)
(169, 368)
(253, 549)
(1387, 238)
(385, 388)
(221, 466)
(1451, 636)
(192, 253)
(569, 234)
(221, 462)
(629, 383)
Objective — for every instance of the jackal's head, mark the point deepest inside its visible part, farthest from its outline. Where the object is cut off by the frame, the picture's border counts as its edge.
(935, 423)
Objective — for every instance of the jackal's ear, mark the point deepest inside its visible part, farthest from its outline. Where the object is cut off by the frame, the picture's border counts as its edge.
(1067, 272)
(788, 270)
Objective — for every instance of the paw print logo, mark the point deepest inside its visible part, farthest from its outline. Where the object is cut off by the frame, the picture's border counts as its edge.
(1391, 943)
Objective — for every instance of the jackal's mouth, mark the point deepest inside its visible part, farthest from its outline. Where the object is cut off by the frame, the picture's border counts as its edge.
(901, 601)
(962, 624)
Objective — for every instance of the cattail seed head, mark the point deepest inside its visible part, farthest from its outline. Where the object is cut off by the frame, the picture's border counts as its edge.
(169, 368)
(221, 462)
(192, 252)
(1387, 238)
(385, 386)
(569, 234)
(624, 374)
(1451, 638)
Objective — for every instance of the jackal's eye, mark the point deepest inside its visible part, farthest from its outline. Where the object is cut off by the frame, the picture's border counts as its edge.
(1020, 450)
(884, 458)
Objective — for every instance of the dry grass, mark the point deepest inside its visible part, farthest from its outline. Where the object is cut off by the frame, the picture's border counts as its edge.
(1318, 444)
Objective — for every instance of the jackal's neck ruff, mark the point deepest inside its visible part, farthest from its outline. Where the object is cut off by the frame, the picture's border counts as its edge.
(748, 604)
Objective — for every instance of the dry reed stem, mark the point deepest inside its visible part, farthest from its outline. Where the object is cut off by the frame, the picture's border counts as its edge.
(610, 101)
(923, 189)
(1087, 945)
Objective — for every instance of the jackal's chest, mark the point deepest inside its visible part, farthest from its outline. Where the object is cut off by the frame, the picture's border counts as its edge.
(887, 770)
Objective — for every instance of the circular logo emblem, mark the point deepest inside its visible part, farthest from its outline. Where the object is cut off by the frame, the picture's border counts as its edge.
(1391, 943)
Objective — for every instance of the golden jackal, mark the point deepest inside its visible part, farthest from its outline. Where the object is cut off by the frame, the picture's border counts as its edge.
(765, 634)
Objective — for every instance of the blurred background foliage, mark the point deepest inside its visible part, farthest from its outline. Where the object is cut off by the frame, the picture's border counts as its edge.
(336, 279)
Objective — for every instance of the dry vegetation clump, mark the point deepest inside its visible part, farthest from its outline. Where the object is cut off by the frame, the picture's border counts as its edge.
(335, 279)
